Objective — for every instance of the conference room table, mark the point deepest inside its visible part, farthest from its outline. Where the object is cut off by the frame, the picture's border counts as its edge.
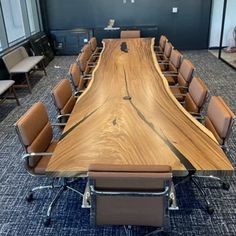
(128, 116)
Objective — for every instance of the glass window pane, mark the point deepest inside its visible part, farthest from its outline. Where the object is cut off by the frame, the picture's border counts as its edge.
(13, 19)
(32, 15)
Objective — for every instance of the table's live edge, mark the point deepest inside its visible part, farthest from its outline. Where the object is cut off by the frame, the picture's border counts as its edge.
(151, 128)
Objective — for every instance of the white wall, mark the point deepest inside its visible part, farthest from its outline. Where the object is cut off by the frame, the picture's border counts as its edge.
(216, 20)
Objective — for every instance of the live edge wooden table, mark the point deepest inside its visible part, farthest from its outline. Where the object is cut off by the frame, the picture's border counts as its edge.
(128, 116)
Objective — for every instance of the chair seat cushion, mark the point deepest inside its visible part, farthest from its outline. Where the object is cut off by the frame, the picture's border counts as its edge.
(41, 166)
(5, 85)
(176, 90)
(26, 64)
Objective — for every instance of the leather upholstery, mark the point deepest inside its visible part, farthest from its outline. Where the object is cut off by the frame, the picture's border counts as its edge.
(63, 97)
(177, 92)
(75, 73)
(190, 105)
(125, 34)
(35, 131)
(41, 166)
(128, 210)
(175, 59)
(219, 118)
(211, 127)
(84, 57)
(185, 72)
(93, 44)
(162, 42)
(196, 95)
(167, 50)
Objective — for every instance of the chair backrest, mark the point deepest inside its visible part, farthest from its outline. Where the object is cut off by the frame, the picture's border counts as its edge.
(162, 42)
(185, 73)
(35, 131)
(196, 95)
(219, 119)
(84, 57)
(129, 195)
(93, 44)
(63, 97)
(125, 34)
(175, 59)
(168, 49)
(14, 57)
(76, 78)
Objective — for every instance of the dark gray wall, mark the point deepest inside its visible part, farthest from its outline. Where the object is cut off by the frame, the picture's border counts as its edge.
(189, 29)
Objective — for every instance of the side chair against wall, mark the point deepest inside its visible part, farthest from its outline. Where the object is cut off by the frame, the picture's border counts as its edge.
(220, 121)
(36, 136)
(64, 100)
(162, 42)
(172, 66)
(130, 195)
(127, 34)
(180, 82)
(78, 81)
(165, 56)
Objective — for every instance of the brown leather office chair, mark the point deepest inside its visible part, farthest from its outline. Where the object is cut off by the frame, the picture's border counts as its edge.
(93, 45)
(126, 34)
(195, 97)
(36, 136)
(130, 195)
(166, 54)
(79, 81)
(84, 60)
(219, 120)
(63, 98)
(181, 80)
(173, 65)
(162, 42)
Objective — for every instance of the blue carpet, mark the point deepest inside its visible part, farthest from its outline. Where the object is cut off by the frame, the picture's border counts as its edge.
(18, 217)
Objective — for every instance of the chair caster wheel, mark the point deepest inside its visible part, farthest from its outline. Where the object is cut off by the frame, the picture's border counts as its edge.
(225, 186)
(210, 210)
(47, 221)
(29, 197)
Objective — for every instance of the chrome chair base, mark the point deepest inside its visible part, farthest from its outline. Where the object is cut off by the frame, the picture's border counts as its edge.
(129, 232)
(193, 178)
(63, 186)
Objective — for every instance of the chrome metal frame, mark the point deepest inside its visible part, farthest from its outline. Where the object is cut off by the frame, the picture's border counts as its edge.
(128, 228)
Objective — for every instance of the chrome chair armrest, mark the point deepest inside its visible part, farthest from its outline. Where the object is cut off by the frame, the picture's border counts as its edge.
(78, 93)
(92, 66)
(87, 77)
(179, 94)
(174, 74)
(59, 124)
(163, 62)
(61, 116)
(180, 87)
(34, 154)
(114, 193)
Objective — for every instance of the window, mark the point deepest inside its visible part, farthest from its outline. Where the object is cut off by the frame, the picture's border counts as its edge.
(33, 16)
(13, 19)
(19, 19)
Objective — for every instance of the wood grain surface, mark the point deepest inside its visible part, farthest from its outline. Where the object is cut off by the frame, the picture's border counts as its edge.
(129, 116)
